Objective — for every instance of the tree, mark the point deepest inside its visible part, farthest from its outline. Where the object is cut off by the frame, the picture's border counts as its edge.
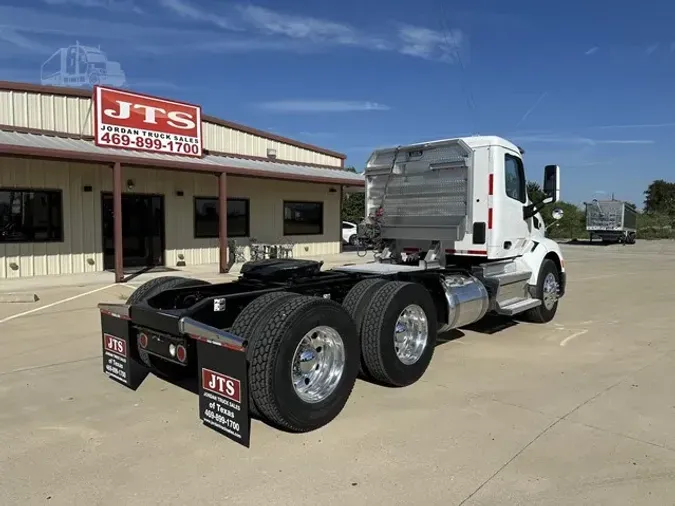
(660, 198)
(350, 169)
(354, 207)
(535, 192)
(573, 223)
(571, 226)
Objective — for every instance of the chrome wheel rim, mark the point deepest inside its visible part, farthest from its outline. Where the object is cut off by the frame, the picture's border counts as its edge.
(411, 334)
(550, 291)
(318, 364)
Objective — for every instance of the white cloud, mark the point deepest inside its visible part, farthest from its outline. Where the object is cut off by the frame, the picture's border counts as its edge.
(592, 50)
(111, 5)
(188, 11)
(17, 40)
(625, 141)
(572, 139)
(651, 49)
(319, 106)
(29, 21)
(308, 28)
(239, 28)
(636, 125)
(250, 44)
(278, 26)
(430, 44)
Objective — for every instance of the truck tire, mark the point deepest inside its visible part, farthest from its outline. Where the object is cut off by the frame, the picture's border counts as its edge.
(248, 322)
(146, 291)
(356, 303)
(304, 363)
(386, 358)
(631, 239)
(545, 312)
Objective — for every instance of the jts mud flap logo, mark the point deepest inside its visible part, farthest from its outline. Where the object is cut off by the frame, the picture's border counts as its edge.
(228, 387)
(115, 345)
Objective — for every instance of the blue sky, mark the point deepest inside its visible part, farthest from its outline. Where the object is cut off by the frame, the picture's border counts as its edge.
(582, 85)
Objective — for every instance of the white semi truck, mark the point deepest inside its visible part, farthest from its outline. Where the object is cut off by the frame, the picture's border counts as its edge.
(457, 238)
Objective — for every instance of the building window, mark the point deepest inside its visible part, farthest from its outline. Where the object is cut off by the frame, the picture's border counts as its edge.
(303, 218)
(31, 215)
(206, 217)
(514, 178)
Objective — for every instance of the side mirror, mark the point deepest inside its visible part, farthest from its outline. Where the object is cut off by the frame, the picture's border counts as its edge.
(552, 182)
(557, 214)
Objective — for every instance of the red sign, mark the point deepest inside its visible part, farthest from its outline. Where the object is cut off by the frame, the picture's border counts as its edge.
(134, 121)
(115, 345)
(220, 384)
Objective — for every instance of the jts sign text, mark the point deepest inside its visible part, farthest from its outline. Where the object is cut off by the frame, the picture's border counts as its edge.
(132, 121)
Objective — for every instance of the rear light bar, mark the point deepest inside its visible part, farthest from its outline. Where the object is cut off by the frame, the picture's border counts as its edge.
(187, 326)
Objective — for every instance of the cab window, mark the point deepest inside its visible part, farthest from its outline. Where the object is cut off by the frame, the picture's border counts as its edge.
(514, 178)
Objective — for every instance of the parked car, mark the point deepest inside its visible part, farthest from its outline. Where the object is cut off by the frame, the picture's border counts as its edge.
(349, 232)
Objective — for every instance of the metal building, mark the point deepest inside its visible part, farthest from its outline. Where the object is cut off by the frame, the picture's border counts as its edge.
(59, 193)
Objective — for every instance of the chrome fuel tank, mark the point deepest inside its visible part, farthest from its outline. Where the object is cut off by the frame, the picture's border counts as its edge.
(468, 300)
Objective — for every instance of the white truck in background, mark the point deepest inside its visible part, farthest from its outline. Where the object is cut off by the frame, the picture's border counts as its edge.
(456, 238)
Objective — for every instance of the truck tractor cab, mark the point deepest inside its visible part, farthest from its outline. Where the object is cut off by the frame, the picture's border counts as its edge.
(464, 199)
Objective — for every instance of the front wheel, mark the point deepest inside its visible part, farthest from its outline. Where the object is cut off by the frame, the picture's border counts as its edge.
(547, 290)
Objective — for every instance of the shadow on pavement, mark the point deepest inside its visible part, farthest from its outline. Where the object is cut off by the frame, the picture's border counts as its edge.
(576, 242)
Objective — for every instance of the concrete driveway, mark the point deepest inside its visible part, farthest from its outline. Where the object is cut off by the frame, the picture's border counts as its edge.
(575, 412)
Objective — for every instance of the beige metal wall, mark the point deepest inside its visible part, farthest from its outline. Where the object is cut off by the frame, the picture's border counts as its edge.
(81, 251)
(72, 115)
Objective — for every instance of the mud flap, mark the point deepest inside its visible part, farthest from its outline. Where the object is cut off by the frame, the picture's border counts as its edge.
(223, 391)
(120, 357)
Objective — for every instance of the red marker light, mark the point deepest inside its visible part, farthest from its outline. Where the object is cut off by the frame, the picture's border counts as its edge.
(143, 340)
(181, 353)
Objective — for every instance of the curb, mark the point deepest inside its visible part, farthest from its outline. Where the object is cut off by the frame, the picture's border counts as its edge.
(18, 297)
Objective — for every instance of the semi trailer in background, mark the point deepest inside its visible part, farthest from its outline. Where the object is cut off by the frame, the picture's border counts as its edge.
(611, 221)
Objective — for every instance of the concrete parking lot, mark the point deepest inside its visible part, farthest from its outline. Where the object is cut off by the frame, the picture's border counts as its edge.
(576, 412)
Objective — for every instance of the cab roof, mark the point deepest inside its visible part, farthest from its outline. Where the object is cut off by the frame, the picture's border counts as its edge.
(476, 141)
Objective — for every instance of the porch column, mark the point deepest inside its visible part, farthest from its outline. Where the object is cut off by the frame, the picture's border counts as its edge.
(117, 222)
(342, 203)
(222, 222)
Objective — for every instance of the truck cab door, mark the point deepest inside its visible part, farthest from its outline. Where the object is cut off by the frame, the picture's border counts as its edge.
(512, 230)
